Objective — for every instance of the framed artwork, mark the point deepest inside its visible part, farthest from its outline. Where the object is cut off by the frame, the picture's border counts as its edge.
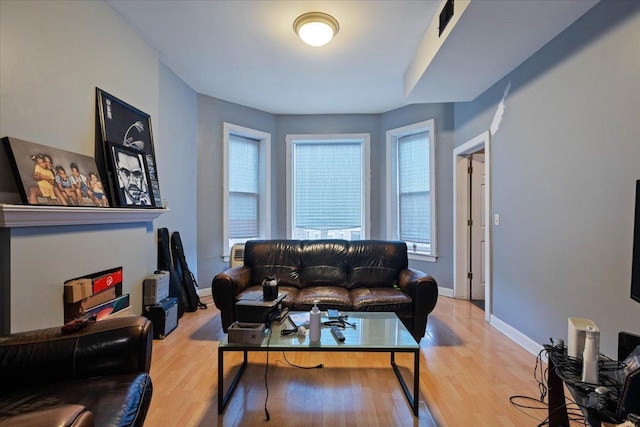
(130, 176)
(125, 125)
(50, 176)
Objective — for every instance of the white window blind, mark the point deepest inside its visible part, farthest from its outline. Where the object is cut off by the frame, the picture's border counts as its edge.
(327, 186)
(414, 207)
(244, 188)
(411, 210)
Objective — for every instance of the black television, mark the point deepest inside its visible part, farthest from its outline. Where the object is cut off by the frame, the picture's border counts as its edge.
(635, 268)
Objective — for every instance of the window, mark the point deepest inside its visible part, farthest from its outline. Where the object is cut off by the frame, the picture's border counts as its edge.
(411, 189)
(246, 184)
(328, 186)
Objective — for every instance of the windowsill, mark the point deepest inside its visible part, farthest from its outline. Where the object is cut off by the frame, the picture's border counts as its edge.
(40, 216)
(421, 257)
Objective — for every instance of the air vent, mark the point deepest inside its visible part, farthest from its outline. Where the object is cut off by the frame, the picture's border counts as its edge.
(237, 255)
(445, 16)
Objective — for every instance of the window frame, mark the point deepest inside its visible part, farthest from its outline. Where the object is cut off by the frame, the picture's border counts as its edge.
(393, 135)
(356, 138)
(264, 181)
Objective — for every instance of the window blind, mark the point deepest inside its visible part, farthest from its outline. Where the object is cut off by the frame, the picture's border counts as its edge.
(243, 186)
(413, 188)
(328, 185)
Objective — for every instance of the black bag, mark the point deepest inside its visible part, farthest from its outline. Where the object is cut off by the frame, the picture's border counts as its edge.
(188, 280)
(164, 263)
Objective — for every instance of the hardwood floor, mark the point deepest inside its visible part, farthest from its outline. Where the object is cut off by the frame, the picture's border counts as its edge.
(468, 372)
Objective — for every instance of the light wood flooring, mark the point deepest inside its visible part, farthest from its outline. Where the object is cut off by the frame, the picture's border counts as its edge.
(468, 372)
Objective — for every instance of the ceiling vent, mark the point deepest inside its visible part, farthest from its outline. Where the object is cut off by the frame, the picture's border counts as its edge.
(445, 16)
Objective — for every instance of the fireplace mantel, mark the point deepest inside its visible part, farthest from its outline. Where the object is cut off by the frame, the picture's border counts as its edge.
(12, 216)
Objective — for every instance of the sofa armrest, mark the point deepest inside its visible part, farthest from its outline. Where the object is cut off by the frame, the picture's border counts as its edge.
(108, 347)
(58, 416)
(224, 287)
(423, 289)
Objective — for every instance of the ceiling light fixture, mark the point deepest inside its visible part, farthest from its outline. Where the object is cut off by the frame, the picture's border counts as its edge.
(316, 28)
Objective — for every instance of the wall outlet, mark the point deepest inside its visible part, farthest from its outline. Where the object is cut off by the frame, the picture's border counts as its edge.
(496, 219)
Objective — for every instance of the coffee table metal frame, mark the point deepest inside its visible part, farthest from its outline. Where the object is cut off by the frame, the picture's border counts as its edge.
(381, 332)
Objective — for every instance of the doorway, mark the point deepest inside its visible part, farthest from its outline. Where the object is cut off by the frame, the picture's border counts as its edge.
(472, 230)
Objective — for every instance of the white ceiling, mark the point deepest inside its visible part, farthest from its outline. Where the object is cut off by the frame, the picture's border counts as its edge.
(246, 52)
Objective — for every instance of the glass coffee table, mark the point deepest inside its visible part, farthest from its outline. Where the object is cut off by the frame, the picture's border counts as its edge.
(374, 332)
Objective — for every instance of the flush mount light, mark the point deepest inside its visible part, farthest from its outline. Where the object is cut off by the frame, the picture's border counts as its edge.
(316, 28)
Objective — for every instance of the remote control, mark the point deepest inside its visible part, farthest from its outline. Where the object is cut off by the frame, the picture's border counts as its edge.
(337, 333)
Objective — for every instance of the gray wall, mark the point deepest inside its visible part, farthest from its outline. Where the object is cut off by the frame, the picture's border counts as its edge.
(326, 124)
(442, 269)
(213, 112)
(53, 54)
(564, 166)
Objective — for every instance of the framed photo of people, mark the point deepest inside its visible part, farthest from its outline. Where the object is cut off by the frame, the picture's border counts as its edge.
(124, 125)
(129, 173)
(51, 176)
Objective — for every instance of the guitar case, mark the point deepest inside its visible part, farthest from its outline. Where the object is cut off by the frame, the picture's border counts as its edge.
(188, 280)
(164, 263)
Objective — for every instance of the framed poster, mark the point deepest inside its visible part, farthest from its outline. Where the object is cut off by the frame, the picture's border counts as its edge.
(130, 176)
(50, 176)
(125, 125)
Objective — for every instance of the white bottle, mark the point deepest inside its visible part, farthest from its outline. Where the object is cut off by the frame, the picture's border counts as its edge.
(590, 371)
(314, 323)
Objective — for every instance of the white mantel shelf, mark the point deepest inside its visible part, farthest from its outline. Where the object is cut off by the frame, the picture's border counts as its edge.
(41, 216)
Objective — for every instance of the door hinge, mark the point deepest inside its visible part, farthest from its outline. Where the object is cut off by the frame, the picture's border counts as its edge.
(469, 275)
(470, 170)
(469, 222)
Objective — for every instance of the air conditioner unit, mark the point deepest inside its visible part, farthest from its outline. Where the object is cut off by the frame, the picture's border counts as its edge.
(237, 255)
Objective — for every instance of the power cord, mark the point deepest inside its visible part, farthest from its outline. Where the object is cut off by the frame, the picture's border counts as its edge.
(540, 374)
(266, 385)
(298, 366)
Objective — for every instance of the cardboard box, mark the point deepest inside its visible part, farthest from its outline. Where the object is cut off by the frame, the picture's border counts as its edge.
(75, 309)
(85, 286)
(246, 333)
(77, 289)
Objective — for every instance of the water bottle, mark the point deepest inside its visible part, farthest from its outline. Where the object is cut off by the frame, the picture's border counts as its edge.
(590, 372)
(314, 323)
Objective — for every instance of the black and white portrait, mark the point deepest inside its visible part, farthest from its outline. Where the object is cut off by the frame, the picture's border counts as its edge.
(128, 166)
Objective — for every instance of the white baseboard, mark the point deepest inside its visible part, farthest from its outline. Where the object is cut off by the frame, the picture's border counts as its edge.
(445, 292)
(518, 337)
(203, 292)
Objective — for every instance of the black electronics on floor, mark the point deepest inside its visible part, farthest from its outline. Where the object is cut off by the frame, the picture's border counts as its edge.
(163, 316)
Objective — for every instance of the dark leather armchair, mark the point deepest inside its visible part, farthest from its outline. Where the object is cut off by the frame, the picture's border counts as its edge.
(98, 376)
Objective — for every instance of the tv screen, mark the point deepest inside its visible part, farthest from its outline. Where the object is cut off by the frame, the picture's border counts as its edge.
(635, 268)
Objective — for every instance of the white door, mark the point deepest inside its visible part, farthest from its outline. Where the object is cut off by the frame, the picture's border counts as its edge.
(477, 226)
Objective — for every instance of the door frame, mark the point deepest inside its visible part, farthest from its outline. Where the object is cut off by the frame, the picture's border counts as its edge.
(461, 237)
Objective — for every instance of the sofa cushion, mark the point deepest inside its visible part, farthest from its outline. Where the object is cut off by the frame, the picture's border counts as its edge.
(327, 296)
(376, 263)
(324, 262)
(277, 258)
(381, 299)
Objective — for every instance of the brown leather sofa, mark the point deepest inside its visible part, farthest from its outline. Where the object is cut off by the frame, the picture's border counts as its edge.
(98, 376)
(364, 275)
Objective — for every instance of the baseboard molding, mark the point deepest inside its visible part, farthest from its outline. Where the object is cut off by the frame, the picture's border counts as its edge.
(445, 292)
(516, 336)
(204, 292)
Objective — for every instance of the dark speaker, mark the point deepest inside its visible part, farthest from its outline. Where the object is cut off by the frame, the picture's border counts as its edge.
(626, 344)
(163, 316)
